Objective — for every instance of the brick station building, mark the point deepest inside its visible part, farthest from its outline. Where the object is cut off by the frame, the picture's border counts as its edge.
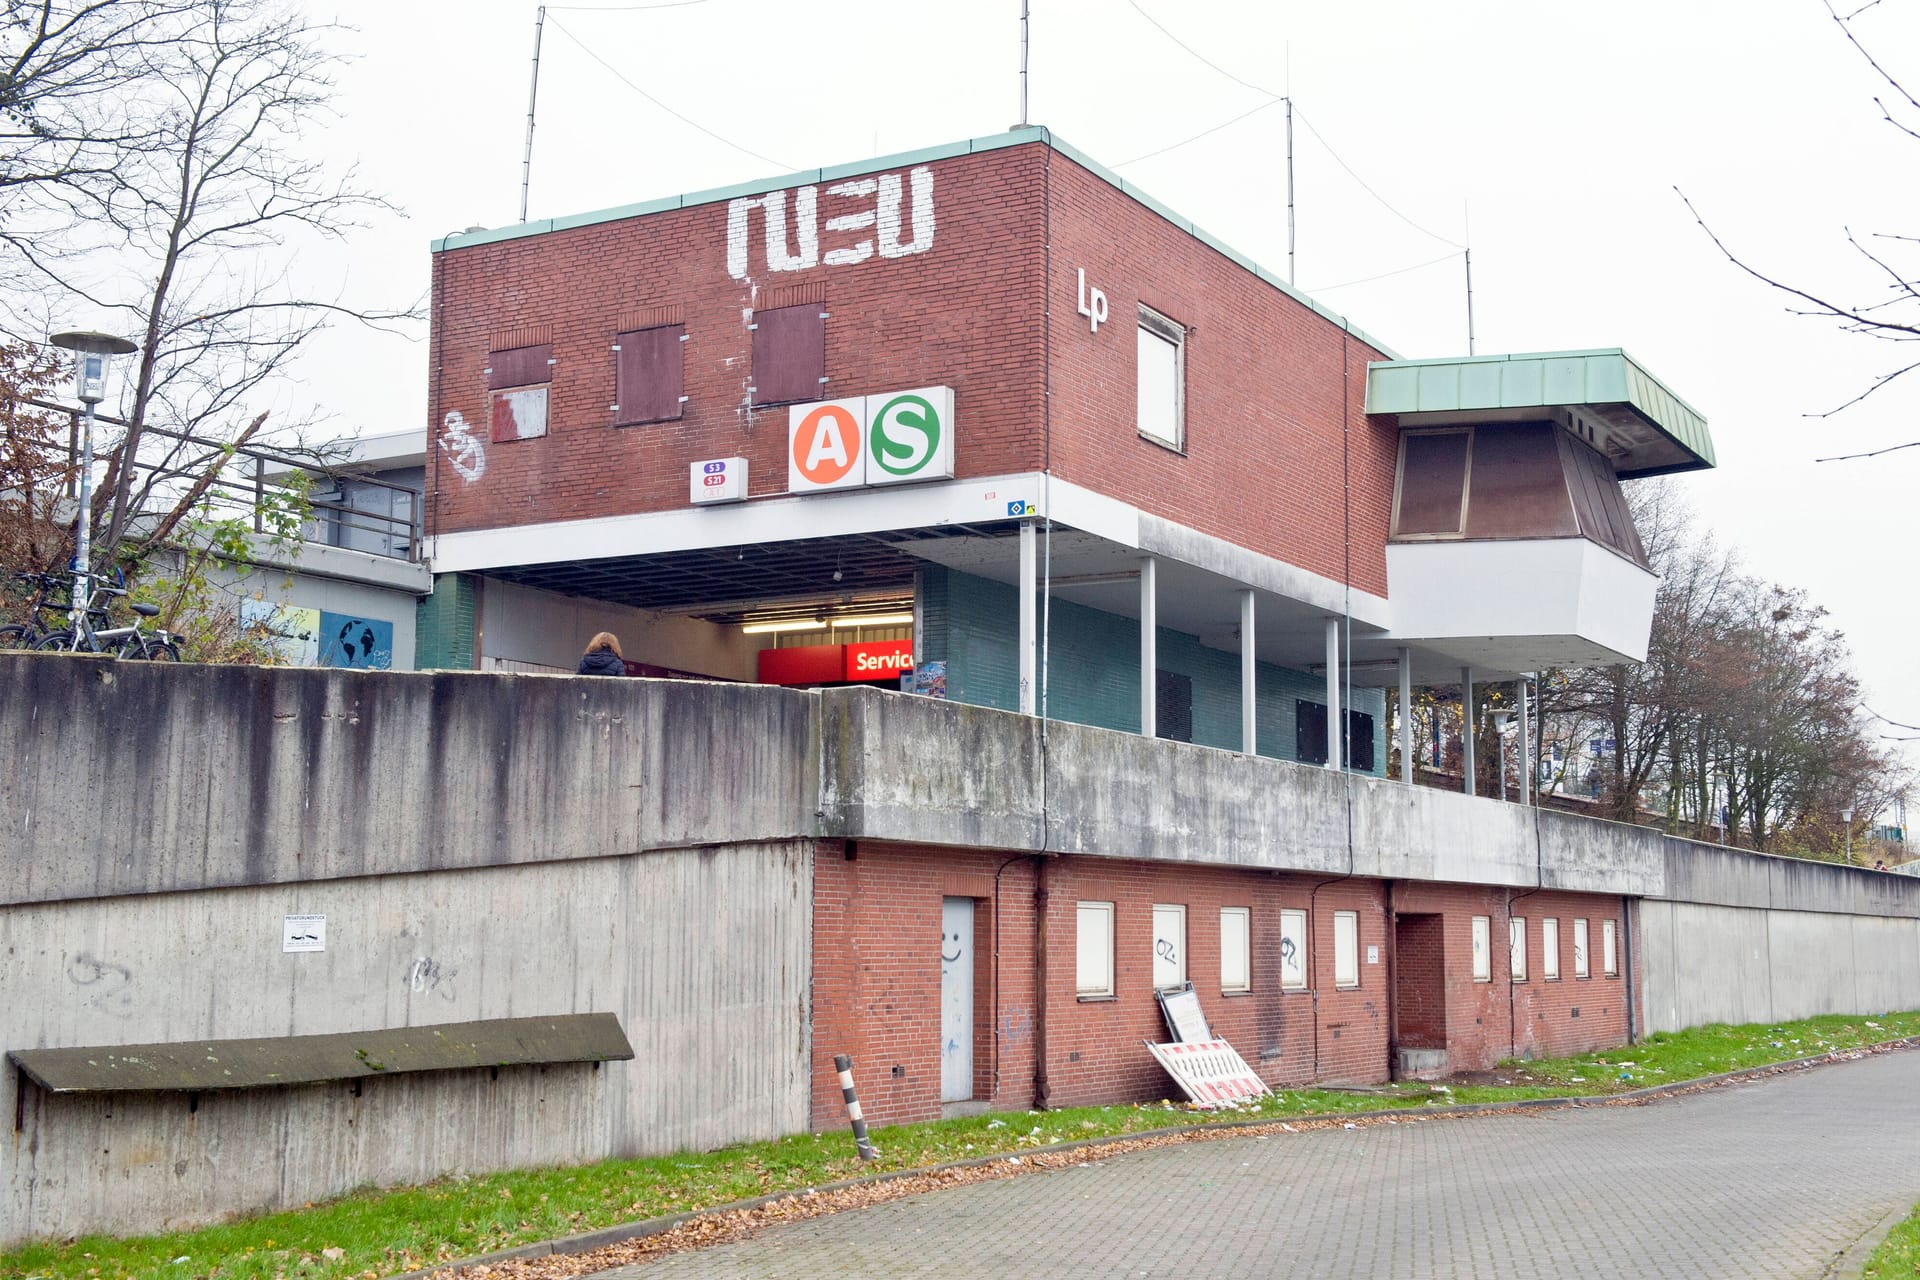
(987, 423)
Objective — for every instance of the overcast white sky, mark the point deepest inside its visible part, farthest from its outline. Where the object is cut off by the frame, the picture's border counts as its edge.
(1554, 133)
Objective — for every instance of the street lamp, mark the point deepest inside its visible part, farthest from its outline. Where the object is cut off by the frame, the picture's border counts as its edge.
(92, 353)
(1846, 816)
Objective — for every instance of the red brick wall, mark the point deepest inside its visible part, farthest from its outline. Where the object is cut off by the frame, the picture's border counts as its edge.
(1420, 982)
(1489, 1021)
(1275, 434)
(877, 978)
(963, 314)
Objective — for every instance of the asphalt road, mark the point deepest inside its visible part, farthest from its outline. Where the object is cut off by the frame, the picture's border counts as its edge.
(1791, 1176)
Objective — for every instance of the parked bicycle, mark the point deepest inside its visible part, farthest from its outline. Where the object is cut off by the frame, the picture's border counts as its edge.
(133, 641)
(52, 603)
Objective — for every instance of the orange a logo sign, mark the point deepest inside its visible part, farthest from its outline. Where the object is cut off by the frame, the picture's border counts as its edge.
(824, 447)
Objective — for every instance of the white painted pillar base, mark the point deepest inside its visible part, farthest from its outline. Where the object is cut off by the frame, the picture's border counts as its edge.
(1247, 668)
(1029, 621)
(1149, 657)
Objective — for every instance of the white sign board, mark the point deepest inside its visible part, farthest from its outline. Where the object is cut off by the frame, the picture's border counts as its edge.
(717, 480)
(890, 438)
(303, 933)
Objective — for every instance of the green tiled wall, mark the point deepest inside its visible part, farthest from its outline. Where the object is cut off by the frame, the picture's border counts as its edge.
(444, 624)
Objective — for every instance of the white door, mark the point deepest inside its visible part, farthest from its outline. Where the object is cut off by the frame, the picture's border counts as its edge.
(956, 999)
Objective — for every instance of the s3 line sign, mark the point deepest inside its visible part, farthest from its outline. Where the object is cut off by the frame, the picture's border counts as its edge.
(890, 438)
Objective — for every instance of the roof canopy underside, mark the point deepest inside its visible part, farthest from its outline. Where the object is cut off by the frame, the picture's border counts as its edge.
(1604, 396)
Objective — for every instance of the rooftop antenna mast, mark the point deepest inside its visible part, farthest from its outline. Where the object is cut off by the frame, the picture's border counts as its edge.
(1467, 254)
(1289, 101)
(533, 96)
(1023, 64)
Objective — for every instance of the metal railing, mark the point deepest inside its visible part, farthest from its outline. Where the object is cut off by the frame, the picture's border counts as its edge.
(332, 518)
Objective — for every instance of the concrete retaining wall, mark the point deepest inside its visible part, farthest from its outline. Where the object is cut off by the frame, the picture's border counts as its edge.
(703, 954)
(1705, 962)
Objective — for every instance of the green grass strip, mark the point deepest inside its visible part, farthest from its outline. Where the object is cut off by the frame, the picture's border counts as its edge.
(372, 1233)
(1898, 1257)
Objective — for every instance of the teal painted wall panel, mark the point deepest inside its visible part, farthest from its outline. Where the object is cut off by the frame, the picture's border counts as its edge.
(973, 624)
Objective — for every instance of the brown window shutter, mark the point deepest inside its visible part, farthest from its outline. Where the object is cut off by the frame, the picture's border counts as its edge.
(520, 367)
(789, 354)
(648, 375)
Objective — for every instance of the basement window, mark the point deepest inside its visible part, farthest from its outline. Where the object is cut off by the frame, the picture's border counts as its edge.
(1609, 962)
(1517, 948)
(1483, 949)
(1093, 950)
(1346, 949)
(1161, 379)
(1580, 968)
(1169, 945)
(1550, 949)
(1236, 942)
(1293, 950)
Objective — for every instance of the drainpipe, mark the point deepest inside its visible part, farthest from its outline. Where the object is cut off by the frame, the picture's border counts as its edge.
(1393, 996)
(1513, 1020)
(1626, 961)
(1042, 1087)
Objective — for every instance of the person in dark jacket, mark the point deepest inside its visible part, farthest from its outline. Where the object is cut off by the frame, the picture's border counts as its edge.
(602, 657)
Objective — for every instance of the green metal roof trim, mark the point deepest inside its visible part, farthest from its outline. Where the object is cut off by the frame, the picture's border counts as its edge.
(904, 159)
(1549, 379)
(354, 1055)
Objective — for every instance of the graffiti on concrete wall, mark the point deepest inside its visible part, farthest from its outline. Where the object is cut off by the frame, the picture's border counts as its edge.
(863, 215)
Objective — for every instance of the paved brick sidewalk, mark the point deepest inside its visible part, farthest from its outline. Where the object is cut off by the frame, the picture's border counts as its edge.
(1778, 1177)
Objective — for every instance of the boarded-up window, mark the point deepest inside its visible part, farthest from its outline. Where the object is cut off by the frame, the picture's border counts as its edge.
(1609, 961)
(789, 354)
(1236, 934)
(1309, 732)
(1359, 742)
(517, 379)
(1550, 949)
(1598, 502)
(1293, 950)
(1517, 948)
(1346, 949)
(1093, 948)
(1161, 378)
(1169, 945)
(1580, 966)
(1431, 497)
(1518, 490)
(1173, 706)
(648, 374)
(1483, 949)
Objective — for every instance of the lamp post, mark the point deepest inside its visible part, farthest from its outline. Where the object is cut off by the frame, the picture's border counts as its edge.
(92, 352)
(1846, 816)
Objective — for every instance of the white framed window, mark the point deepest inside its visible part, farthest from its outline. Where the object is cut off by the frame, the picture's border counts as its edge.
(1609, 961)
(1483, 948)
(1093, 948)
(1293, 950)
(1236, 949)
(1580, 968)
(1550, 949)
(1517, 947)
(1169, 944)
(1346, 949)
(1161, 379)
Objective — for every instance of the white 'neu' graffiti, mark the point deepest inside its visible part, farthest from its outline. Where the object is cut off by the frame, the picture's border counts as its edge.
(801, 249)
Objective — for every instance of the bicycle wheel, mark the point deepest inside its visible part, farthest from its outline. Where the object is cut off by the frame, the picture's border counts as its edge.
(55, 642)
(16, 636)
(158, 651)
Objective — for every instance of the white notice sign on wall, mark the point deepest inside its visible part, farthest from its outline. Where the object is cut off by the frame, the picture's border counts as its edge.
(303, 933)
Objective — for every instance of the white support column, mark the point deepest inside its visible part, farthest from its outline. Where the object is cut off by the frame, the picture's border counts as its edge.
(1149, 658)
(1466, 726)
(1526, 746)
(1029, 621)
(1406, 715)
(1246, 673)
(1335, 739)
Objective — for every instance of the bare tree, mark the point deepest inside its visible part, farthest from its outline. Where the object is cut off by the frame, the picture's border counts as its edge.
(1887, 305)
(164, 181)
